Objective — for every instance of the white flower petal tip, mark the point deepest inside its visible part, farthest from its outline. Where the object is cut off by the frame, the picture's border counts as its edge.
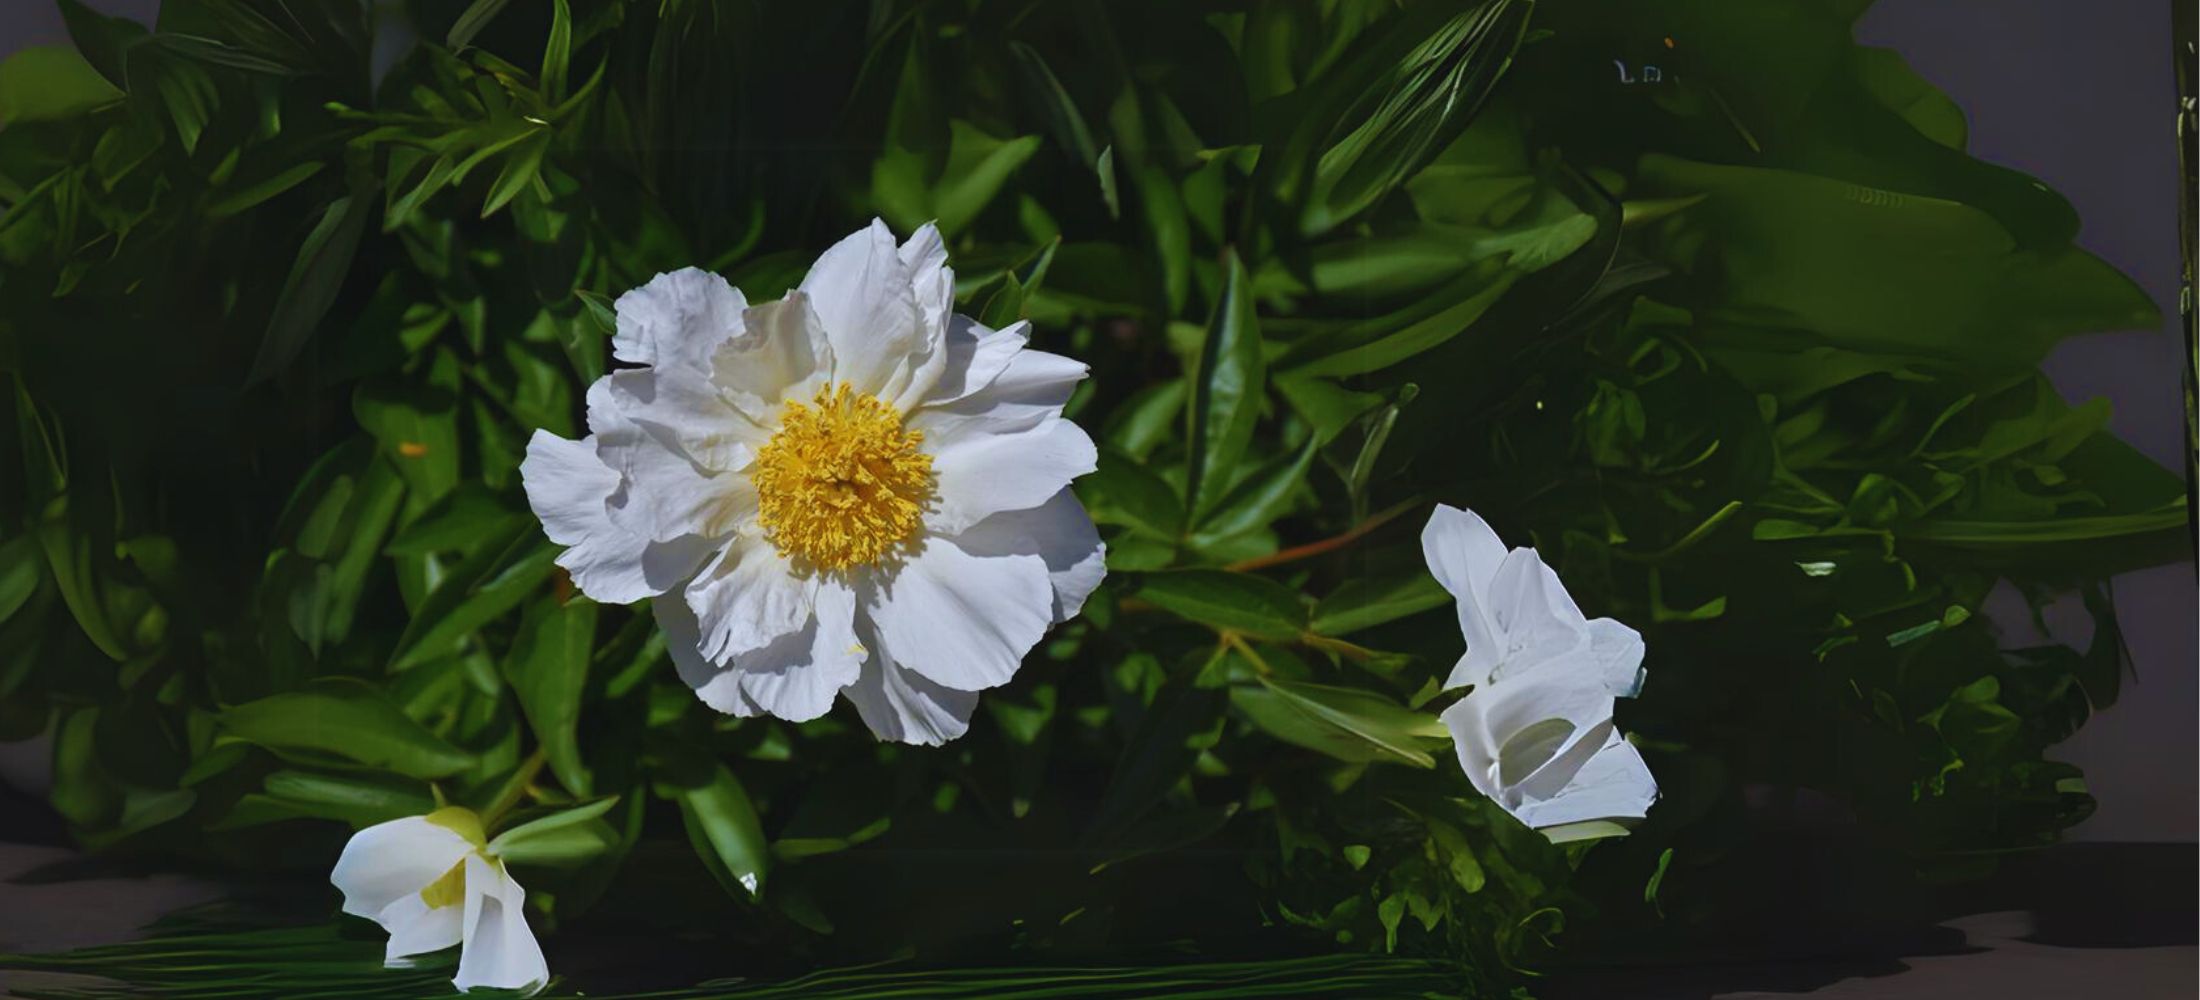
(1536, 734)
(431, 882)
(848, 491)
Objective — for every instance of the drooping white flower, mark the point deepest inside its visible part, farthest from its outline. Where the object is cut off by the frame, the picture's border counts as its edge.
(1536, 734)
(431, 882)
(851, 490)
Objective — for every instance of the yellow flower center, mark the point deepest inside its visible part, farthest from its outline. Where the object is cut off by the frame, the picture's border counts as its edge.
(841, 483)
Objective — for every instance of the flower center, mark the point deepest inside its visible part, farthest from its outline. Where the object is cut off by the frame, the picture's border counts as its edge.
(842, 483)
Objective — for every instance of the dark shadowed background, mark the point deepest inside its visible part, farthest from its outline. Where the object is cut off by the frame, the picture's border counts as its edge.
(2090, 112)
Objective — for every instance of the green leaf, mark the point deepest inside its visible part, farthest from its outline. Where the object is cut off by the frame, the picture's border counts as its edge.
(1368, 345)
(1367, 601)
(1236, 602)
(1328, 407)
(476, 17)
(1425, 100)
(1123, 490)
(1068, 123)
(560, 839)
(548, 670)
(557, 53)
(1226, 394)
(458, 522)
(1259, 498)
(360, 800)
(416, 429)
(1158, 753)
(315, 278)
(520, 167)
(492, 581)
(252, 194)
(1349, 724)
(977, 166)
(723, 826)
(69, 557)
(45, 82)
(105, 41)
(351, 721)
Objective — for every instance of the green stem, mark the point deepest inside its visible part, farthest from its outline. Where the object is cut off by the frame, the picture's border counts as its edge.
(513, 789)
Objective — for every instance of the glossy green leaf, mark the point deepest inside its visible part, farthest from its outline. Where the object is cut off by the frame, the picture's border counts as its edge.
(1237, 602)
(349, 721)
(548, 669)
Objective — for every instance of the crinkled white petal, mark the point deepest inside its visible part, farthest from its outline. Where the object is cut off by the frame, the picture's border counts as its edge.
(664, 491)
(962, 620)
(569, 489)
(796, 676)
(932, 282)
(388, 861)
(782, 355)
(1060, 533)
(1030, 389)
(688, 414)
(499, 951)
(718, 685)
(976, 356)
(677, 319)
(747, 597)
(902, 705)
(861, 292)
(978, 471)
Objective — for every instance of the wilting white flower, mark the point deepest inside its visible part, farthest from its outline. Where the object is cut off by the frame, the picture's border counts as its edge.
(1536, 734)
(848, 490)
(431, 882)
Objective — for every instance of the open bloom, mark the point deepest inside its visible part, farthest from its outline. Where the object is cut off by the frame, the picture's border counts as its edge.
(850, 490)
(431, 882)
(1536, 734)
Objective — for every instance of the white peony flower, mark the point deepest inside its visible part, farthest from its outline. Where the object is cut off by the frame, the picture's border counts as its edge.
(1536, 733)
(851, 490)
(431, 882)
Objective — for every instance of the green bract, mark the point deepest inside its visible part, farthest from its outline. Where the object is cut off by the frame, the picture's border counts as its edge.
(1747, 353)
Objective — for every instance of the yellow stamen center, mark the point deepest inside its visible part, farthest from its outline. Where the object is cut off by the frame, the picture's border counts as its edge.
(450, 890)
(841, 483)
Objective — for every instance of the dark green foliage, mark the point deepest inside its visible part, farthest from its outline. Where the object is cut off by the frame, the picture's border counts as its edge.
(1748, 353)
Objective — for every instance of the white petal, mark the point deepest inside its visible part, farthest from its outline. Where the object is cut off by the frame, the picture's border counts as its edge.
(686, 411)
(717, 684)
(980, 471)
(1463, 553)
(1615, 784)
(1031, 388)
(1058, 532)
(1524, 740)
(782, 355)
(861, 292)
(677, 320)
(664, 491)
(569, 487)
(976, 356)
(417, 928)
(388, 861)
(965, 621)
(797, 675)
(747, 597)
(499, 950)
(1524, 619)
(932, 282)
(901, 705)
(1617, 652)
